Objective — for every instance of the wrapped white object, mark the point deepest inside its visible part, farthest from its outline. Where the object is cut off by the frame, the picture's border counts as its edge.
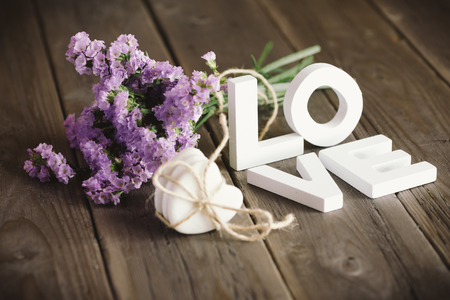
(190, 180)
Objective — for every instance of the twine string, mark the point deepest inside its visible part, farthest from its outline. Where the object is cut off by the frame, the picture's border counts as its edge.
(267, 85)
(203, 198)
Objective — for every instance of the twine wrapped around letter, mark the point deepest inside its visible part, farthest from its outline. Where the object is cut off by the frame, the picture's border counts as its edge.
(203, 198)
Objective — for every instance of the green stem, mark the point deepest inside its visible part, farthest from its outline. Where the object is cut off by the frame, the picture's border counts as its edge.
(290, 59)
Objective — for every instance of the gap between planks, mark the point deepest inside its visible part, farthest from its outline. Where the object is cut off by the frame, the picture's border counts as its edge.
(404, 35)
(41, 30)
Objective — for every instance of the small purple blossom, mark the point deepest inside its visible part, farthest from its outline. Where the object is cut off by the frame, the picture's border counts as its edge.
(46, 164)
(210, 58)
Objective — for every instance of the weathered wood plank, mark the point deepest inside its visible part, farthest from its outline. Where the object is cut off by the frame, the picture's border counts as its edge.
(355, 252)
(424, 25)
(414, 105)
(48, 248)
(145, 259)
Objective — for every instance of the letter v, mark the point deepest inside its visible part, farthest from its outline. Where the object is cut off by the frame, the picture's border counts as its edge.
(317, 190)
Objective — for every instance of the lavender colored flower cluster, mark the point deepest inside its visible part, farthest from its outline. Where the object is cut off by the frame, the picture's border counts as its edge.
(46, 164)
(144, 112)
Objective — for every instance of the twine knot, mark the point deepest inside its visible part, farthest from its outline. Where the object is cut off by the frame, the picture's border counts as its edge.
(203, 196)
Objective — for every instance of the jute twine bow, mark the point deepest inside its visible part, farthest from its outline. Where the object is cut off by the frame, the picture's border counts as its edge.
(203, 197)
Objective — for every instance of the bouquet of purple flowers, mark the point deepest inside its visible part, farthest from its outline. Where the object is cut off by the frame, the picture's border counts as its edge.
(145, 111)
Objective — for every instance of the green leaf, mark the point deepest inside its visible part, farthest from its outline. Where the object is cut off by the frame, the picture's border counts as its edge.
(255, 64)
(290, 59)
(204, 118)
(280, 87)
(212, 102)
(289, 74)
(145, 111)
(264, 54)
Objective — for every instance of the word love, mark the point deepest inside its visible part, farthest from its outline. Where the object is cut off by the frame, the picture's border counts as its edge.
(369, 164)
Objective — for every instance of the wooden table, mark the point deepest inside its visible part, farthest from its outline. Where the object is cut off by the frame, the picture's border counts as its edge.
(56, 244)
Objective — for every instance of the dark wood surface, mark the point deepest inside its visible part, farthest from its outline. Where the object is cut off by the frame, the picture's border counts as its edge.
(56, 244)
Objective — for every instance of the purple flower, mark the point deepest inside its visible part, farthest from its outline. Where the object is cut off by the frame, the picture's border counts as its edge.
(44, 150)
(114, 52)
(64, 173)
(94, 48)
(46, 164)
(31, 168)
(43, 175)
(209, 56)
(143, 114)
(81, 44)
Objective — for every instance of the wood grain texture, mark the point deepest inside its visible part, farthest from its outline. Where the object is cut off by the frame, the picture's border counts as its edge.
(403, 98)
(356, 251)
(195, 27)
(145, 259)
(56, 244)
(424, 25)
(148, 260)
(47, 245)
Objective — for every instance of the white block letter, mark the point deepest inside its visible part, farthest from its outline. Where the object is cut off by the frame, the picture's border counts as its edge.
(296, 104)
(245, 149)
(374, 169)
(317, 189)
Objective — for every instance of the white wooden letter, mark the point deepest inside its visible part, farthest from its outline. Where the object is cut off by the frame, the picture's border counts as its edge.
(374, 169)
(245, 149)
(317, 189)
(299, 92)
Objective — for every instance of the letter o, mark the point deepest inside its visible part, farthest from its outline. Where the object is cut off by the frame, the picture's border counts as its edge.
(301, 89)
